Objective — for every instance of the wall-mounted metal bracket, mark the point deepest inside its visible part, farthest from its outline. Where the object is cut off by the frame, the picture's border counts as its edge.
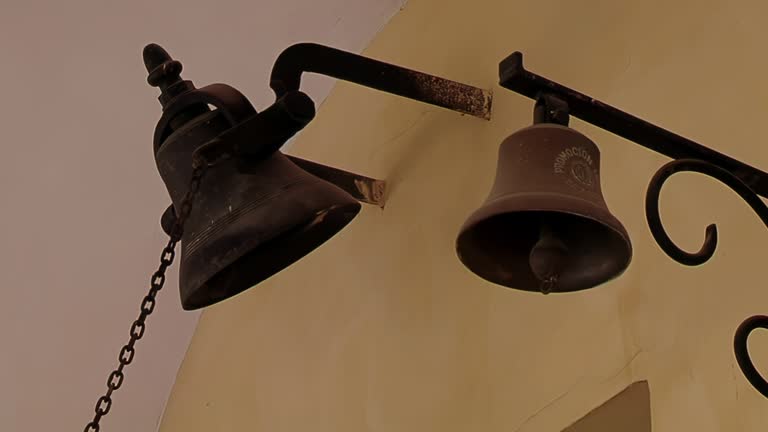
(292, 63)
(259, 134)
(748, 182)
(256, 135)
(551, 109)
(389, 78)
(515, 77)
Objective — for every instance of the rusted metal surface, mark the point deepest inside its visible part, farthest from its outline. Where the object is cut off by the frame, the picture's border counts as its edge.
(332, 62)
(515, 77)
(364, 189)
(451, 94)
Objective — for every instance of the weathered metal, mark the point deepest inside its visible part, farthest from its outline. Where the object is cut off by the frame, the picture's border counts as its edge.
(256, 212)
(513, 76)
(332, 62)
(545, 225)
(254, 195)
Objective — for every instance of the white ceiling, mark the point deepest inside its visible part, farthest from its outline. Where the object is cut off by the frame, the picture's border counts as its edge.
(80, 195)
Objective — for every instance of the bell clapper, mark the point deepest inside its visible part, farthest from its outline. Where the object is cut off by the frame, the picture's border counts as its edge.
(547, 259)
(548, 284)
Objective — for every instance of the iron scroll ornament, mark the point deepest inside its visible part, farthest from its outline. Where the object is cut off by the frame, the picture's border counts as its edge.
(749, 182)
(707, 249)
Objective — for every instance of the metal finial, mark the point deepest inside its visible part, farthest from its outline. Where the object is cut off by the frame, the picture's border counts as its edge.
(165, 73)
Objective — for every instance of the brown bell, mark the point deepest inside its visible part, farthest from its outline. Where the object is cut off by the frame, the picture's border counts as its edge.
(245, 226)
(545, 225)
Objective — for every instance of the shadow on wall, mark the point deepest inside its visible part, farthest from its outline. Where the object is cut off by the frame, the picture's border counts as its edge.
(628, 411)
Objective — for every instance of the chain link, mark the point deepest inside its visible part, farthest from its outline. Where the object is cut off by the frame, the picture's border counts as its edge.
(157, 281)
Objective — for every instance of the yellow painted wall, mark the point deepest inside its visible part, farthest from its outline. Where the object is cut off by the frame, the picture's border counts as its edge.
(382, 329)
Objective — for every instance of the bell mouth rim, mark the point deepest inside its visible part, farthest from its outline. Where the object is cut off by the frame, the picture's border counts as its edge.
(342, 214)
(510, 204)
(615, 224)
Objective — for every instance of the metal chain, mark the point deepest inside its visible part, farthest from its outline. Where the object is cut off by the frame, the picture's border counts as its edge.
(115, 379)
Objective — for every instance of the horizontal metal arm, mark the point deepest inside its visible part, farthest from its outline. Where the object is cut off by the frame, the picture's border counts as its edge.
(332, 62)
(513, 76)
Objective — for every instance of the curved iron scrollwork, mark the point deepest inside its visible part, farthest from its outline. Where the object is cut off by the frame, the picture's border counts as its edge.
(742, 355)
(708, 248)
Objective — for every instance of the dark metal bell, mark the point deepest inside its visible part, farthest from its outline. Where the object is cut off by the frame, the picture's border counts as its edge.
(545, 225)
(244, 226)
